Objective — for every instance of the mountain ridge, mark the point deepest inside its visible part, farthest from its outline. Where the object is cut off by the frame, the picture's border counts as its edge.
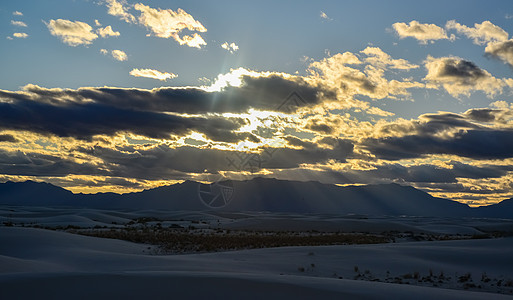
(258, 194)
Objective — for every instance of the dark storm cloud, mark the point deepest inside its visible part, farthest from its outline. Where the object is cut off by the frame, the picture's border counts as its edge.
(435, 123)
(421, 175)
(266, 93)
(463, 69)
(477, 144)
(84, 120)
(430, 124)
(432, 173)
(284, 158)
(36, 164)
(319, 126)
(8, 138)
(350, 80)
(482, 114)
(158, 162)
(86, 112)
(460, 188)
(445, 133)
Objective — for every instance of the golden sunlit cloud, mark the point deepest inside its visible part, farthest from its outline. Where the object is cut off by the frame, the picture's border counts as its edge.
(232, 47)
(501, 50)
(342, 73)
(120, 10)
(461, 77)
(119, 55)
(20, 35)
(166, 23)
(18, 23)
(154, 74)
(73, 33)
(481, 33)
(422, 32)
(107, 31)
(324, 16)
(378, 58)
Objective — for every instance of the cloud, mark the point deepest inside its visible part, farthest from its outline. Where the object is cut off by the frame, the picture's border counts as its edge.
(481, 33)
(478, 134)
(461, 77)
(164, 160)
(116, 54)
(18, 23)
(73, 33)
(84, 120)
(8, 138)
(17, 13)
(501, 50)
(232, 47)
(494, 37)
(379, 112)
(422, 32)
(20, 35)
(39, 164)
(120, 10)
(475, 144)
(349, 75)
(119, 55)
(150, 73)
(377, 57)
(107, 31)
(166, 23)
(97, 23)
(324, 16)
(427, 173)
(259, 91)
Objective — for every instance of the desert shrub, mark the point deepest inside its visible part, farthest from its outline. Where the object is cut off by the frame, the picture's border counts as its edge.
(465, 278)
(484, 278)
(416, 275)
(192, 240)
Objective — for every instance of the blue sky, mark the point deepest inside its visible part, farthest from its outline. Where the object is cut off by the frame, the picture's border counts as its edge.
(407, 87)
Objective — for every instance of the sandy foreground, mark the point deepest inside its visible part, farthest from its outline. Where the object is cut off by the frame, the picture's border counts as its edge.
(47, 264)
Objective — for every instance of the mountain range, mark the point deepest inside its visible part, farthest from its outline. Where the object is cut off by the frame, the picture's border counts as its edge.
(258, 194)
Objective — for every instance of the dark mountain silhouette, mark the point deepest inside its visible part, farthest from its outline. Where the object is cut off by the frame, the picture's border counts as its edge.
(503, 209)
(258, 194)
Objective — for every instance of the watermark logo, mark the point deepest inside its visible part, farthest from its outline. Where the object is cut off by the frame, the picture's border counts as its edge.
(291, 103)
(219, 193)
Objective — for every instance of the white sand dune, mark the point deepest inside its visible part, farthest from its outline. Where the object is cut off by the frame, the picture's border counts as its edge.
(44, 264)
(54, 217)
(173, 285)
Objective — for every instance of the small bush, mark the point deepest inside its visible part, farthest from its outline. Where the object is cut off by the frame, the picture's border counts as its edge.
(465, 278)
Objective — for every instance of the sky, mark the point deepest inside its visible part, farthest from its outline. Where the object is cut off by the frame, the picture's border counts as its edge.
(122, 96)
